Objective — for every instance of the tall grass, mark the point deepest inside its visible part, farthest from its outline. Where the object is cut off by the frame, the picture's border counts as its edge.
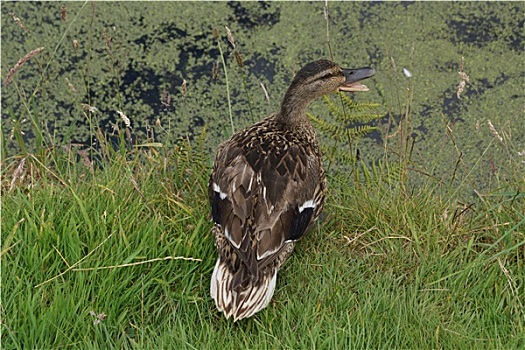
(110, 247)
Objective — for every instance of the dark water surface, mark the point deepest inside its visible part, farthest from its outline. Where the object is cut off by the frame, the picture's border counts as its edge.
(134, 57)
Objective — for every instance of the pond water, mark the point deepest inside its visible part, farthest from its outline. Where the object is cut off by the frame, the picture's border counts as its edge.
(160, 64)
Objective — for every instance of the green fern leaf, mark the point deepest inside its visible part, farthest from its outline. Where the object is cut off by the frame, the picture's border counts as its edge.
(337, 127)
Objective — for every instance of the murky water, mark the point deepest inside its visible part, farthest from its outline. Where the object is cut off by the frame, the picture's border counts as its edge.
(160, 64)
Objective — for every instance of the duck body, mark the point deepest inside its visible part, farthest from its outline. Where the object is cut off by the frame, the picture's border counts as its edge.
(266, 190)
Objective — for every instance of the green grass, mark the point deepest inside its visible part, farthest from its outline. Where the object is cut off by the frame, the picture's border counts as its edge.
(383, 269)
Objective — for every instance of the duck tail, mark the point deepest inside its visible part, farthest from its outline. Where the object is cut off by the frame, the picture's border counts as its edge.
(240, 300)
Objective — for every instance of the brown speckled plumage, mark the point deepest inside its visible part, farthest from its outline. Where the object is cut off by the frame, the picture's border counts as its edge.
(266, 190)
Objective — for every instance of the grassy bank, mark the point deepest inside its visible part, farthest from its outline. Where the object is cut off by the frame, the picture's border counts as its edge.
(94, 256)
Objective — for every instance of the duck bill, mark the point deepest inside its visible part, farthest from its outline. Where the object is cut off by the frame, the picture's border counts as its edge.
(353, 76)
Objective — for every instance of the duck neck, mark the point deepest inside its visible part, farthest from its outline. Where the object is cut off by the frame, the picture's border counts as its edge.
(293, 109)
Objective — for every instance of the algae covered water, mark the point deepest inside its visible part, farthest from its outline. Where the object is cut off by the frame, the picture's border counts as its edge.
(455, 68)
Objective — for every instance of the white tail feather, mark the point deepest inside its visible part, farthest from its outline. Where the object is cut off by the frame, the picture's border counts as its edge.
(244, 303)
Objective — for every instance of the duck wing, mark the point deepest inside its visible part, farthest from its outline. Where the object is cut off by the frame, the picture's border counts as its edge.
(265, 191)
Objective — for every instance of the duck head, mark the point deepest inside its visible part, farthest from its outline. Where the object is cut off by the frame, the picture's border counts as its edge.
(320, 78)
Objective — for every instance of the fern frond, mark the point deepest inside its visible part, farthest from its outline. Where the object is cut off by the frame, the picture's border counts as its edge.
(354, 106)
(358, 131)
(334, 109)
(340, 129)
(359, 118)
(351, 111)
(339, 132)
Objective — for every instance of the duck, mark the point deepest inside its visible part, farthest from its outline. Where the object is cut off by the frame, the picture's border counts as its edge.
(267, 188)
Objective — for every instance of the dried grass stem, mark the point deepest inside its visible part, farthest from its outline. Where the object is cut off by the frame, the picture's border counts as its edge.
(20, 63)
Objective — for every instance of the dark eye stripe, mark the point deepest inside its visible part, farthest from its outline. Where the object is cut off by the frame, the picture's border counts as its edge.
(326, 76)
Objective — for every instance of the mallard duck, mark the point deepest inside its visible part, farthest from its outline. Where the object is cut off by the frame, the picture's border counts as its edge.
(267, 188)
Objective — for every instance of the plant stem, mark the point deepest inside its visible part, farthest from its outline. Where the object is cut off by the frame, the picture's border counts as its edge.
(227, 85)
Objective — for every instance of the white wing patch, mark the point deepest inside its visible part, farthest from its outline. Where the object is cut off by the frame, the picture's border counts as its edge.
(268, 252)
(270, 290)
(217, 189)
(216, 276)
(308, 204)
(250, 185)
(230, 238)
